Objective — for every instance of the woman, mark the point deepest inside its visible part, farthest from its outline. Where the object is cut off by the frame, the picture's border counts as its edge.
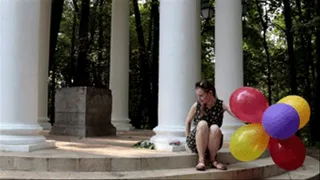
(206, 138)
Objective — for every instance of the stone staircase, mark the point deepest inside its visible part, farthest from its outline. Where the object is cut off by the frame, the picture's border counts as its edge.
(85, 159)
(180, 166)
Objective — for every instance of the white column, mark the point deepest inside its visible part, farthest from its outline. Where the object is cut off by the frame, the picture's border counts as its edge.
(119, 65)
(228, 54)
(179, 69)
(44, 38)
(19, 67)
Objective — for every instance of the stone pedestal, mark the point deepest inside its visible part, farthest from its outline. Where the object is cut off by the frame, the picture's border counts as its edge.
(84, 112)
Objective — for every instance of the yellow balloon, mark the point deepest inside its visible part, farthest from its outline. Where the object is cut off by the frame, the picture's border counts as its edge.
(249, 142)
(300, 105)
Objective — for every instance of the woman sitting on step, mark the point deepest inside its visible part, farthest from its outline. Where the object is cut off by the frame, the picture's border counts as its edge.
(206, 138)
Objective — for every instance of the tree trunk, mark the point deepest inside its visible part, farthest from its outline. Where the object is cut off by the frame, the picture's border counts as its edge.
(308, 6)
(56, 14)
(73, 44)
(94, 66)
(315, 124)
(264, 23)
(149, 101)
(144, 79)
(287, 11)
(155, 65)
(305, 54)
(150, 33)
(101, 45)
(81, 77)
(304, 44)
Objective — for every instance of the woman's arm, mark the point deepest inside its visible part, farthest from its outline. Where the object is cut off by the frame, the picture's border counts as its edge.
(226, 108)
(189, 118)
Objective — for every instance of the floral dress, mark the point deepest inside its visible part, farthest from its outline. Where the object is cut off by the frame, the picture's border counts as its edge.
(213, 115)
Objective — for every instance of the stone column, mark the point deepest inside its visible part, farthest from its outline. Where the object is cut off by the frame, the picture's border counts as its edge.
(44, 38)
(228, 54)
(179, 69)
(19, 67)
(119, 64)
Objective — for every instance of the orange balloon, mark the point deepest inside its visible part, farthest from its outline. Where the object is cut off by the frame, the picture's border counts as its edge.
(300, 105)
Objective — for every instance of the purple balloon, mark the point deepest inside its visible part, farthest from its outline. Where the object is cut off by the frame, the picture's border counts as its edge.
(280, 121)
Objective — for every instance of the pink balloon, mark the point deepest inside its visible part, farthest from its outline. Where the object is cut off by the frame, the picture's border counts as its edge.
(248, 104)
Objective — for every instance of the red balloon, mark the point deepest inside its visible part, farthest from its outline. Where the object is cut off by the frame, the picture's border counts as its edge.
(248, 104)
(288, 154)
(268, 147)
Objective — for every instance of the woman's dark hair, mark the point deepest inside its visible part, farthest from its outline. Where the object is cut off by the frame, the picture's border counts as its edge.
(206, 86)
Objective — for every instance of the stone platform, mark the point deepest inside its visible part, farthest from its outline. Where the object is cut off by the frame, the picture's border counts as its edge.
(115, 158)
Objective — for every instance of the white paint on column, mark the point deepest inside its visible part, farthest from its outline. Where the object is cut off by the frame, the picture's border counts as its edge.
(229, 56)
(119, 65)
(19, 67)
(179, 69)
(44, 38)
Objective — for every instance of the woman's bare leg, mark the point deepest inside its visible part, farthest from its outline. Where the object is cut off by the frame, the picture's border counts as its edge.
(214, 144)
(202, 136)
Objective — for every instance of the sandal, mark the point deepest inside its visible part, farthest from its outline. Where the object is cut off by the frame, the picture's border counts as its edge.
(217, 165)
(201, 166)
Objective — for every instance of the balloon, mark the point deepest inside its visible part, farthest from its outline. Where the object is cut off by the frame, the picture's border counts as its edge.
(288, 154)
(280, 121)
(248, 104)
(248, 142)
(300, 105)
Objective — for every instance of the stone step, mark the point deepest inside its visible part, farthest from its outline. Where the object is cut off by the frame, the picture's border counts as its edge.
(258, 169)
(309, 171)
(68, 161)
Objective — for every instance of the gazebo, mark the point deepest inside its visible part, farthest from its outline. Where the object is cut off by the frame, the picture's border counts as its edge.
(24, 52)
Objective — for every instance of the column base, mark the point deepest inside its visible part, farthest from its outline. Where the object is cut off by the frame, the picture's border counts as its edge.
(28, 147)
(23, 138)
(166, 135)
(44, 123)
(122, 125)
(230, 125)
(169, 148)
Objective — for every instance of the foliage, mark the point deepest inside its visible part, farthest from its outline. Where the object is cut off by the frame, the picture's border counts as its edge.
(145, 144)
